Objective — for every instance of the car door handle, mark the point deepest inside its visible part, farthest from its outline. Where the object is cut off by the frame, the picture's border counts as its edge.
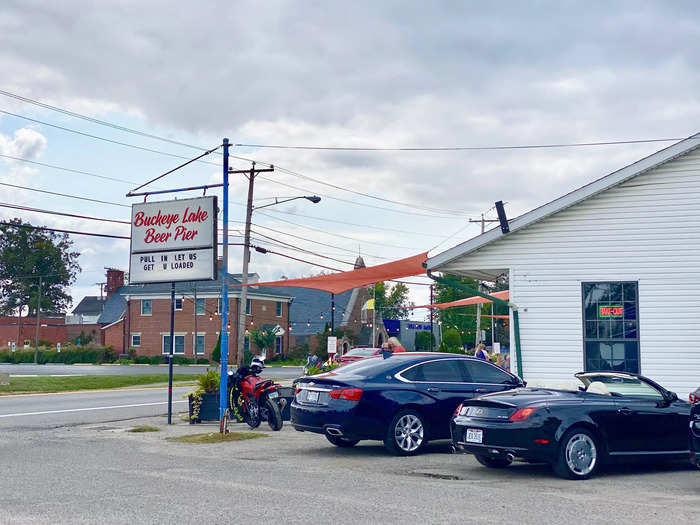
(625, 411)
(433, 389)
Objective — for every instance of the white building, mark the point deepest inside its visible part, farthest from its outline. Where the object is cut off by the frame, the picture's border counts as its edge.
(607, 276)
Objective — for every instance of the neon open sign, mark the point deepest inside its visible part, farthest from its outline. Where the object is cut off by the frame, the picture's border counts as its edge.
(610, 311)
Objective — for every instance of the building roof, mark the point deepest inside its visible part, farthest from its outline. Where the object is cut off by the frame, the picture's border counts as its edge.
(574, 197)
(90, 305)
(309, 305)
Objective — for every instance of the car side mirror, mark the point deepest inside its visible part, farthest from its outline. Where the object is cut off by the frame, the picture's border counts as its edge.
(672, 396)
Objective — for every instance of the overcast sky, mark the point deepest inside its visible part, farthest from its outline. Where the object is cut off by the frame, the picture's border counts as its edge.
(364, 74)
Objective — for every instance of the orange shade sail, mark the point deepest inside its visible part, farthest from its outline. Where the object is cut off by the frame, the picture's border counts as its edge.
(503, 294)
(344, 281)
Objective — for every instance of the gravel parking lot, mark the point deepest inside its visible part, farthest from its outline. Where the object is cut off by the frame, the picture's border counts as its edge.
(101, 473)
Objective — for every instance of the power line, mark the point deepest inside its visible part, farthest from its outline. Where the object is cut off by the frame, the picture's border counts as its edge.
(462, 148)
(156, 137)
(337, 234)
(355, 224)
(73, 232)
(39, 210)
(62, 194)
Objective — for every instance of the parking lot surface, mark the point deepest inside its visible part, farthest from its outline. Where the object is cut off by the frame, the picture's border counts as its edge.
(101, 473)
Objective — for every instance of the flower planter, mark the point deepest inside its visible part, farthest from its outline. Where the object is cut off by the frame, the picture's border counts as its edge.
(208, 409)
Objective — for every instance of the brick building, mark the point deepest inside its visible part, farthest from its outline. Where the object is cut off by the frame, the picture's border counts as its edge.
(22, 331)
(138, 317)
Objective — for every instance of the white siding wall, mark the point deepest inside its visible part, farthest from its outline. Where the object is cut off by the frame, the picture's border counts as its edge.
(647, 230)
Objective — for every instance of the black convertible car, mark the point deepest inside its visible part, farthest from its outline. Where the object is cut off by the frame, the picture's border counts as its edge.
(613, 416)
(695, 435)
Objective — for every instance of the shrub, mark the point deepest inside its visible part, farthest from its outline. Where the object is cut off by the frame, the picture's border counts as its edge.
(158, 359)
(124, 361)
(451, 341)
(202, 361)
(209, 381)
(180, 360)
(142, 360)
(422, 341)
(216, 353)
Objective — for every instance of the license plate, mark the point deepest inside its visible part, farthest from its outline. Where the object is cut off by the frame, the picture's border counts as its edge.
(273, 395)
(474, 435)
(311, 396)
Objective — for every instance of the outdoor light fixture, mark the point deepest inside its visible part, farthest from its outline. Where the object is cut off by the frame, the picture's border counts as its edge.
(321, 316)
(308, 323)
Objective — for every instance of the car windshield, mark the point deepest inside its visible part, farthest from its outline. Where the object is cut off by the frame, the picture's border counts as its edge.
(624, 386)
(361, 352)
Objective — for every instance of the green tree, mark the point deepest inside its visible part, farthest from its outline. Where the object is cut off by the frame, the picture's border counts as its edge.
(390, 301)
(263, 338)
(463, 318)
(26, 254)
(451, 341)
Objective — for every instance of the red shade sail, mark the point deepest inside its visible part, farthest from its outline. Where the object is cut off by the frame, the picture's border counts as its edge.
(503, 294)
(343, 281)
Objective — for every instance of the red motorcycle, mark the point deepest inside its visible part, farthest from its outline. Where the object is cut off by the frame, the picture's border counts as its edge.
(253, 399)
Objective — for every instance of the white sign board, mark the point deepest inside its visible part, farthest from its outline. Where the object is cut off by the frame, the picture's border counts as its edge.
(332, 345)
(173, 241)
(496, 348)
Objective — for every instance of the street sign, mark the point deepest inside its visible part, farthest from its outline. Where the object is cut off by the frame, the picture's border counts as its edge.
(173, 241)
(58, 347)
(14, 346)
(332, 345)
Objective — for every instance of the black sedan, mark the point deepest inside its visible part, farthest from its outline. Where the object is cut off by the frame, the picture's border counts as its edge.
(613, 416)
(404, 399)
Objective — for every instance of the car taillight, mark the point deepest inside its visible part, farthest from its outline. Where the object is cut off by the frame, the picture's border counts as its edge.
(349, 394)
(459, 407)
(297, 389)
(522, 414)
(693, 398)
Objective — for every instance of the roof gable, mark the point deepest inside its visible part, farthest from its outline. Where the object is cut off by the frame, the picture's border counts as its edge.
(574, 197)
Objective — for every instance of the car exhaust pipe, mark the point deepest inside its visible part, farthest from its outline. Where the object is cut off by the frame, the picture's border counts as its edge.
(510, 457)
(333, 431)
(453, 449)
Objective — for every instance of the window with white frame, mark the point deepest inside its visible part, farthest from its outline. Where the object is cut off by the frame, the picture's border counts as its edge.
(247, 306)
(146, 307)
(178, 304)
(278, 344)
(136, 339)
(199, 344)
(201, 307)
(278, 309)
(179, 347)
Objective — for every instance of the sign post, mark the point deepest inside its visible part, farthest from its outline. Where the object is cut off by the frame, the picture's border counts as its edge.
(173, 241)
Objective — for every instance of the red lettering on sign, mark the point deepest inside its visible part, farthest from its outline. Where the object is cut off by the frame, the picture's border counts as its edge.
(159, 219)
(191, 216)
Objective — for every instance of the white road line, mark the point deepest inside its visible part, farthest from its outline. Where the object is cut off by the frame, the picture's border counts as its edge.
(91, 408)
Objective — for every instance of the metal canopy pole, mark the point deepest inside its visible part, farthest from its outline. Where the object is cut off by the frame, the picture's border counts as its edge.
(223, 383)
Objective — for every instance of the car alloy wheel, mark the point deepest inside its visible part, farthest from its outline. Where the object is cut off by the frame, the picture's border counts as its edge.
(408, 433)
(579, 455)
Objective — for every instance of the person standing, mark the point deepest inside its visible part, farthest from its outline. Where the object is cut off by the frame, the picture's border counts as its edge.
(481, 352)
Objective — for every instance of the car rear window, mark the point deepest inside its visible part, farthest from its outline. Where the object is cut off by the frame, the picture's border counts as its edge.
(361, 352)
(367, 367)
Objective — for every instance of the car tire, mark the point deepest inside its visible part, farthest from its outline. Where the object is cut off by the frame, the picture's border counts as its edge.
(579, 455)
(493, 462)
(407, 434)
(342, 442)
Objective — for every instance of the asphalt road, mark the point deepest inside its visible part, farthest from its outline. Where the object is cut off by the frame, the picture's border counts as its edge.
(99, 473)
(40, 411)
(59, 370)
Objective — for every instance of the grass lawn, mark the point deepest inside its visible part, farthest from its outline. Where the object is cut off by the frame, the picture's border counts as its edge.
(216, 437)
(63, 384)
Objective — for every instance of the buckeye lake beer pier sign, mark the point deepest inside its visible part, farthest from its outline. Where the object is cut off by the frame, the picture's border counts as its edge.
(173, 241)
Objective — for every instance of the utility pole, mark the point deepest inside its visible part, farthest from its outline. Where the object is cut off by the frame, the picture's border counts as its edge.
(252, 173)
(38, 320)
(483, 222)
(431, 318)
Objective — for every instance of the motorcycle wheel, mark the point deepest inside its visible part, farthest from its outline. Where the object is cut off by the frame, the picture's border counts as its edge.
(274, 416)
(251, 415)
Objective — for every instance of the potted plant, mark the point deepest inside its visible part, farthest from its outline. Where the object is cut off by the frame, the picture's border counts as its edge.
(204, 400)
